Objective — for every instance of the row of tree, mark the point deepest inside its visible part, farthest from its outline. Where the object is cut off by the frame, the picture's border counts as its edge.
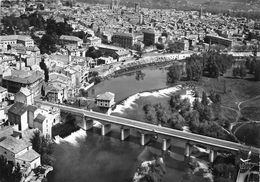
(12, 23)
(44, 147)
(212, 64)
(9, 171)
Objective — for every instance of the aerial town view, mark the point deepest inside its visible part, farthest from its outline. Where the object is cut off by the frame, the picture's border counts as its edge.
(129, 90)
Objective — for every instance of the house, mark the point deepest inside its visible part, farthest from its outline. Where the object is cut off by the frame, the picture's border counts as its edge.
(18, 150)
(106, 100)
(67, 40)
(17, 115)
(93, 41)
(59, 87)
(45, 118)
(3, 93)
(33, 80)
(125, 40)
(31, 114)
(55, 93)
(151, 37)
(16, 39)
(41, 122)
(24, 96)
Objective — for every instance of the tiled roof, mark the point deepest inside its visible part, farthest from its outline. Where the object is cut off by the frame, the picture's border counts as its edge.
(15, 37)
(14, 145)
(71, 38)
(18, 108)
(29, 156)
(25, 91)
(25, 77)
(106, 96)
(39, 118)
(2, 89)
(32, 108)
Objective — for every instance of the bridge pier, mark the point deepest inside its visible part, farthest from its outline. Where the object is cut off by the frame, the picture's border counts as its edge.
(144, 140)
(165, 144)
(212, 156)
(105, 129)
(125, 133)
(187, 149)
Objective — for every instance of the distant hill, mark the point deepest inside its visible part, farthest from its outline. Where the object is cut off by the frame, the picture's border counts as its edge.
(208, 5)
(249, 8)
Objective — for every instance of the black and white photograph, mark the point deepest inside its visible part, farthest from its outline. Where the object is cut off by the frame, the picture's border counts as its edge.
(129, 90)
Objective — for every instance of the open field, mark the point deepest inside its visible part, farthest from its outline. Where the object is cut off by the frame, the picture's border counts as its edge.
(237, 90)
(249, 134)
(240, 105)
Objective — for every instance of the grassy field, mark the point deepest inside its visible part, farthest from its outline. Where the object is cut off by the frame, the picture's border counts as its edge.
(249, 134)
(237, 90)
(240, 102)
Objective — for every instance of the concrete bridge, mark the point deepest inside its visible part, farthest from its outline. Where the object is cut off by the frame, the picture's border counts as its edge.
(146, 130)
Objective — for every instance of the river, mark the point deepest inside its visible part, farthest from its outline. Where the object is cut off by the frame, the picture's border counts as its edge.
(132, 83)
(90, 157)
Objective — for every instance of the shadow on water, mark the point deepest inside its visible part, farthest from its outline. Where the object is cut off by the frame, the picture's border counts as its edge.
(97, 158)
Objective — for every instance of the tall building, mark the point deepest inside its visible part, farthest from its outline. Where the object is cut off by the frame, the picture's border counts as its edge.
(114, 4)
(141, 19)
(200, 13)
(33, 80)
(212, 39)
(150, 37)
(125, 40)
(137, 7)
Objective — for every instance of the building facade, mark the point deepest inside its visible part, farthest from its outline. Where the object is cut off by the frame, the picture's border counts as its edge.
(212, 39)
(125, 40)
(17, 150)
(150, 37)
(16, 39)
(105, 100)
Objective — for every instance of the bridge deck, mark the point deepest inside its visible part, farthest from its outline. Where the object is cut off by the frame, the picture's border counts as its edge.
(158, 129)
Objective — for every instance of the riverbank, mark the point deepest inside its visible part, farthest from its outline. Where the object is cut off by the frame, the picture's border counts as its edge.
(159, 61)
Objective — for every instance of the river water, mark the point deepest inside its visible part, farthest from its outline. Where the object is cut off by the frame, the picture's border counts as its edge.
(132, 83)
(90, 157)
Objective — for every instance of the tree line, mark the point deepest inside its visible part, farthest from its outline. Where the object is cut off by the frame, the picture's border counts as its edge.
(212, 64)
(43, 146)
(201, 116)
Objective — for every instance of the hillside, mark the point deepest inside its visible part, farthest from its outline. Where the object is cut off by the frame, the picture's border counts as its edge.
(209, 5)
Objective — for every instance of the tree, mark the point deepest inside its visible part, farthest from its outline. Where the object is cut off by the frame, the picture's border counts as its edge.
(197, 105)
(17, 174)
(194, 68)
(174, 73)
(45, 69)
(176, 121)
(43, 147)
(235, 72)
(37, 142)
(175, 102)
(160, 114)
(205, 114)
(42, 91)
(48, 43)
(185, 106)
(9, 171)
(252, 67)
(242, 71)
(204, 100)
(257, 70)
(46, 75)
